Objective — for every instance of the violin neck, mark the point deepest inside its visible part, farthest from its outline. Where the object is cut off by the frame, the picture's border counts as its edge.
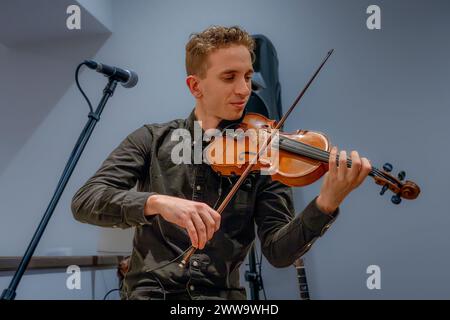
(314, 153)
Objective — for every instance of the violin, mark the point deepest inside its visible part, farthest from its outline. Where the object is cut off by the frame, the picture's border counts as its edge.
(302, 157)
(294, 159)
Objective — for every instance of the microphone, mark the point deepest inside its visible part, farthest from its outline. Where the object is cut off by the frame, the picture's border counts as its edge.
(127, 78)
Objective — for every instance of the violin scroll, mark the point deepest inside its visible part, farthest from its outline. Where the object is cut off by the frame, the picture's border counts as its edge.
(402, 190)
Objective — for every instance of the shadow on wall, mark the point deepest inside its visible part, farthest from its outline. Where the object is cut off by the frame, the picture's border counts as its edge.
(34, 78)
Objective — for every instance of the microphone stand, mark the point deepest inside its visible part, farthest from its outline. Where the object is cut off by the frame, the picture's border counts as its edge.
(94, 117)
(252, 275)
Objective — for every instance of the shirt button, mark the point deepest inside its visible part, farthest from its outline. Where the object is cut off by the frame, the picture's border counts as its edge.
(199, 188)
(195, 264)
(192, 287)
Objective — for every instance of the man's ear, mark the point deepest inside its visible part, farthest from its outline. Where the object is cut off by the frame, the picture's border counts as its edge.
(193, 84)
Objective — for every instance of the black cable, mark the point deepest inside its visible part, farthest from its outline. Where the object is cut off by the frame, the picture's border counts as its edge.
(86, 128)
(112, 290)
(109, 292)
(167, 263)
(79, 87)
(151, 271)
(90, 107)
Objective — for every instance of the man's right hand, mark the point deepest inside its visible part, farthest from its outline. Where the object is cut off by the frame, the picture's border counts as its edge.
(199, 219)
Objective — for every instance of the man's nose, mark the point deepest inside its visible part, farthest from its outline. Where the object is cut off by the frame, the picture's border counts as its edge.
(242, 88)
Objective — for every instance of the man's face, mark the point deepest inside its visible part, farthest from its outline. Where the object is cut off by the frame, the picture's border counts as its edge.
(226, 87)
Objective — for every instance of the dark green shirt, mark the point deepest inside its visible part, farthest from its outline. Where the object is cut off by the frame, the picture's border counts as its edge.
(143, 159)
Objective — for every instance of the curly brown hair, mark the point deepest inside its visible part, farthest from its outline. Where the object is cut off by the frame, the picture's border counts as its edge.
(200, 45)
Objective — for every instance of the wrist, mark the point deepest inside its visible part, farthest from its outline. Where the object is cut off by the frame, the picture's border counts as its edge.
(151, 205)
(325, 206)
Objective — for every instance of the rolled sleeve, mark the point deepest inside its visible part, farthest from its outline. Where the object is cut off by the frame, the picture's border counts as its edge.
(316, 220)
(133, 208)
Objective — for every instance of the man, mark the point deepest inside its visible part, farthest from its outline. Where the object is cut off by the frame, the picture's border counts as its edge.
(174, 204)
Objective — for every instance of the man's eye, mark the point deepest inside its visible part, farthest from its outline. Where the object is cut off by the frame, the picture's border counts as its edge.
(229, 78)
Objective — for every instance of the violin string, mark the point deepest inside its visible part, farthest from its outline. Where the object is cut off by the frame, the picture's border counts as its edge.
(323, 155)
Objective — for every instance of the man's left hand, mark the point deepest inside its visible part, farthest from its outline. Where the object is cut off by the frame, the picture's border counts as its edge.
(340, 180)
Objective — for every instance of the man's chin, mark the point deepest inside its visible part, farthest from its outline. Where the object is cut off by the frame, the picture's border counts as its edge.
(234, 116)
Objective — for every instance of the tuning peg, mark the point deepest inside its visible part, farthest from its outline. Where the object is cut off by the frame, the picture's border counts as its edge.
(387, 167)
(396, 199)
(401, 175)
(383, 190)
